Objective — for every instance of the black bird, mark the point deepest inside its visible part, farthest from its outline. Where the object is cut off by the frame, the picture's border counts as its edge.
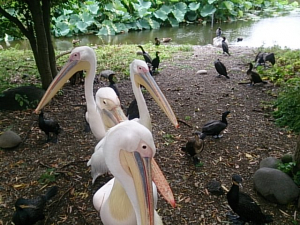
(155, 62)
(29, 211)
(49, 125)
(225, 46)
(239, 39)
(215, 127)
(195, 147)
(221, 69)
(133, 110)
(219, 32)
(156, 41)
(146, 56)
(253, 76)
(113, 85)
(243, 205)
(262, 58)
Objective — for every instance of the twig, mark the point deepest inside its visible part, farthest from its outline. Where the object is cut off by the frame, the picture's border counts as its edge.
(244, 83)
(62, 54)
(185, 123)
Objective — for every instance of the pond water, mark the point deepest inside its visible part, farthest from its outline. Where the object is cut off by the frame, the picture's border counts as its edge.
(281, 30)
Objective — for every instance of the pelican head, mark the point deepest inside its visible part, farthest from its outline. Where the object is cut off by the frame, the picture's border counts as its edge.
(139, 73)
(128, 151)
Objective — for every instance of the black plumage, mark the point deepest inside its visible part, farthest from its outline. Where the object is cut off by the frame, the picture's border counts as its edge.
(195, 146)
(219, 32)
(156, 41)
(215, 127)
(133, 110)
(113, 85)
(146, 56)
(49, 126)
(253, 76)
(29, 211)
(244, 206)
(225, 46)
(262, 58)
(239, 39)
(221, 69)
(155, 62)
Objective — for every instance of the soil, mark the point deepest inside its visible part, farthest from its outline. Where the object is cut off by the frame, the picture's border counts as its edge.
(251, 136)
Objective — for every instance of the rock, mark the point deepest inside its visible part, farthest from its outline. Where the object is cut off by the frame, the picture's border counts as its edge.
(25, 97)
(201, 72)
(287, 158)
(269, 162)
(275, 185)
(9, 139)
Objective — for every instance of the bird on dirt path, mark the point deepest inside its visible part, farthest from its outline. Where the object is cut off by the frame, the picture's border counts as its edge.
(244, 206)
(49, 126)
(29, 211)
(253, 76)
(215, 127)
(221, 69)
(155, 63)
(225, 46)
(262, 58)
(146, 56)
(113, 85)
(195, 147)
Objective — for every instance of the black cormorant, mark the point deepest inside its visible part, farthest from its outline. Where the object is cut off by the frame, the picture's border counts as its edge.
(219, 32)
(155, 62)
(215, 127)
(195, 147)
(225, 46)
(221, 69)
(49, 125)
(146, 56)
(262, 58)
(112, 84)
(244, 206)
(253, 76)
(30, 211)
(133, 110)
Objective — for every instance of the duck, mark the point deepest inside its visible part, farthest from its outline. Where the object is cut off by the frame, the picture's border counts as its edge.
(30, 211)
(225, 46)
(253, 76)
(221, 69)
(219, 32)
(165, 40)
(215, 127)
(155, 62)
(49, 126)
(244, 206)
(195, 146)
(156, 41)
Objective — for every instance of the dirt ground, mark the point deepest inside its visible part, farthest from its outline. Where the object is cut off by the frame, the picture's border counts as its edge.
(251, 136)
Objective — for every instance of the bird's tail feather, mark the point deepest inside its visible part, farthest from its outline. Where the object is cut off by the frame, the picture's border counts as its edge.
(51, 192)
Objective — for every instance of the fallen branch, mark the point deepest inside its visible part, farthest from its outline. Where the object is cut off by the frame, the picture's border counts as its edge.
(185, 123)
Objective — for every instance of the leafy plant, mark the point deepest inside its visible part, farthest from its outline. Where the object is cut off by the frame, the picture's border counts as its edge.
(169, 139)
(48, 177)
(290, 169)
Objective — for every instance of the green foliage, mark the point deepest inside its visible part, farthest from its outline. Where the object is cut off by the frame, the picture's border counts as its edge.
(290, 169)
(24, 102)
(48, 177)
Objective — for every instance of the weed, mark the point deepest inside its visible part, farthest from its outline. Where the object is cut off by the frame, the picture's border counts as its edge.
(48, 177)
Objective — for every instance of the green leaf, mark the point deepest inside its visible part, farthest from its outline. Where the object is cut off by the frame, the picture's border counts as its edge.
(191, 16)
(67, 11)
(153, 23)
(179, 12)
(229, 5)
(143, 24)
(211, 1)
(247, 5)
(173, 22)
(194, 6)
(88, 18)
(207, 10)
(63, 28)
(82, 26)
(163, 12)
(93, 8)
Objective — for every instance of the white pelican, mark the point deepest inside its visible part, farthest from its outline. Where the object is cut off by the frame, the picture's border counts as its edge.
(128, 199)
(83, 58)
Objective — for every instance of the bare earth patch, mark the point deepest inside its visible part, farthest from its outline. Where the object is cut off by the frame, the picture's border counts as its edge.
(251, 136)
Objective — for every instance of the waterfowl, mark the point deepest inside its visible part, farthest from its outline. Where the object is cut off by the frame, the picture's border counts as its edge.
(113, 85)
(253, 76)
(221, 69)
(146, 56)
(49, 126)
(133, 110)
(165, 40)
(155, 62)
(156, 41)
(219, 32)
(225, 46)
(195, 146)
(262, 58)
(244, 206)
(30, 211)
(215, 127)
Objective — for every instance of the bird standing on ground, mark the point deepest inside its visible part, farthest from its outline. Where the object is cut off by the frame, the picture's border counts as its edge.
(49, 126)
(215, 127)
(29, 211)
(262, 58)
(133, 110)
(113, 85)
(243, 205)
(155, 62)
(146, 56)
(195, 147)
(221, 69)
(219, 32)
(225, 46)
(253, 76)
(156, 41)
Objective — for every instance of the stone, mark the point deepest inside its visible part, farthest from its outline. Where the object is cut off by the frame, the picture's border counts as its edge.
(269, 162)
(201, 72)
(275, 185)
(9, 139)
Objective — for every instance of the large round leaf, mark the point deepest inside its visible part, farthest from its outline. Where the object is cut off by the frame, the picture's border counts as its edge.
(229, 5)
(191, 16)
(179, 11)
(93, 8)
(173, 22)
(153, 23)
(82, 26)
(194, 6)
(163, 12)
(207, 10)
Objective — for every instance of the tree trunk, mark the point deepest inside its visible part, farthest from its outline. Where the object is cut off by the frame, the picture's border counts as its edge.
(297, 154)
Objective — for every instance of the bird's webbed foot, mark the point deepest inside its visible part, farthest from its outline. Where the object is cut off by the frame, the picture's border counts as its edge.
(218, 136)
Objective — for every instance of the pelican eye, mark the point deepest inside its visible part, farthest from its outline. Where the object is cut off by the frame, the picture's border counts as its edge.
(104, 102)
(144, 146)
